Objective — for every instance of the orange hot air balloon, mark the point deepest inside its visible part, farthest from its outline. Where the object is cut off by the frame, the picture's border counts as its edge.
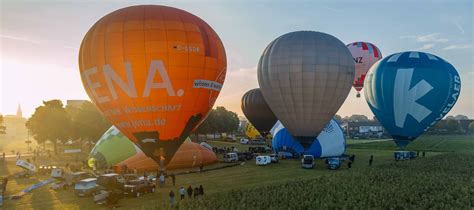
(154, 72)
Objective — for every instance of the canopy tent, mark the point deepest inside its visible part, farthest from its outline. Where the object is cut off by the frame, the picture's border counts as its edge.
(189, 155)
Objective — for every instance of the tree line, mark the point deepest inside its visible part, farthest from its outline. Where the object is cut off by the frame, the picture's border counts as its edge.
(3, 128)
(219, 120)
(58, 124)
(53, 122)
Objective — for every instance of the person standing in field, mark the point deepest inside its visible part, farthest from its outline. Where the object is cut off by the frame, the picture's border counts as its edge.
(201, 190)
(162, 180)
(349, 165)
(371, 160)
(196, 192)
(182, 191)
(190, 191)
(173, 179)
(171, 198)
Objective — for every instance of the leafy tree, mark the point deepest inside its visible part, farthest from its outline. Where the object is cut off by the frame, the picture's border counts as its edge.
(227, 121)
(356, 118)
(50, 122)
(87, 123)
(452, 125)
(338, 118)
(209, 125)
(471, 127)
(461, 117)
(3, 128)
(450, 117)
(219, 120)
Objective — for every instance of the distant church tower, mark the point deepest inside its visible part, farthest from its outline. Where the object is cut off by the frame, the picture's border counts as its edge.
(19, 113)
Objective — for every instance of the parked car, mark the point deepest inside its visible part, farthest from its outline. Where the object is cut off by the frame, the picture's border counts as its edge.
(307, 161)
(138, 187)
(263, 160)
(86, 187)
(244, 141)
(333, 163)
(243, 156)
(111, 181)
(258, 142)
(129, 177)
(404, 155)
(75, 177)
(274, 158)
(58, 173)
(231, 157)
(260, 150)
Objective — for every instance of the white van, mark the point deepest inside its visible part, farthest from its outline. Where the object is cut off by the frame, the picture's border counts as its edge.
(244, 141)
(263, 160)
(231, 157)
(307, 161)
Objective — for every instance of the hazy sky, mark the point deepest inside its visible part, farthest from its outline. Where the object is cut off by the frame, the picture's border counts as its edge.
(39, 40)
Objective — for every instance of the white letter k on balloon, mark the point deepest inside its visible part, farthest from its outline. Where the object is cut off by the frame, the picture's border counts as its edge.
(404, 98)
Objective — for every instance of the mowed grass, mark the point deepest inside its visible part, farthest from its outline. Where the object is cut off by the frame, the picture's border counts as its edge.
(235, 186)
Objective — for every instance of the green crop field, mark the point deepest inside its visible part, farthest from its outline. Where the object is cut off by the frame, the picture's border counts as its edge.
(441, 180)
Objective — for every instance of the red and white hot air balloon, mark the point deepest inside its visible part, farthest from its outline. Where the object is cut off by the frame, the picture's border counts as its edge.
(365, 54)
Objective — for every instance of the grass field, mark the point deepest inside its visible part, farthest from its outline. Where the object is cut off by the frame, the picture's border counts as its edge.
(440, 180)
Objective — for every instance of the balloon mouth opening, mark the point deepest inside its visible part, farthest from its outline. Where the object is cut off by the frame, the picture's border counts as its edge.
(305, 141)
(402, 141)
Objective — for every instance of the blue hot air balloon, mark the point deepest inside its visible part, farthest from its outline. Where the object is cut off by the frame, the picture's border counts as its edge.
(329, 143)
(409, 92)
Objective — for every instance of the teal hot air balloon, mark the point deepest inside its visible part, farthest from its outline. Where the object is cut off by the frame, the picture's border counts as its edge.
(409, 92)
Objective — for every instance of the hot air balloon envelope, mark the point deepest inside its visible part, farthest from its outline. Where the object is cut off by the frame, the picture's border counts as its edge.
(305, 77)
(189, 155)
(365, 54)
(409, 92)
(112, 148)
(329, 143)
(256, 110)
(154, 72)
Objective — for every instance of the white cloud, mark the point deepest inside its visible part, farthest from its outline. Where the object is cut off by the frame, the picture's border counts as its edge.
(19, 38)
(426, 46)
(458, 46)
(433, 37)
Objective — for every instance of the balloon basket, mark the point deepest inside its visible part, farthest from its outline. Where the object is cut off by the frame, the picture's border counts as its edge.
(404, 155)
(358, 95)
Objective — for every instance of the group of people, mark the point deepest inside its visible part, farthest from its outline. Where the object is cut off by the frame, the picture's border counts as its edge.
(197, 191)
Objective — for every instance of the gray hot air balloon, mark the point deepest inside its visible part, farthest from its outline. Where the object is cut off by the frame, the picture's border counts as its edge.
(305, 76)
